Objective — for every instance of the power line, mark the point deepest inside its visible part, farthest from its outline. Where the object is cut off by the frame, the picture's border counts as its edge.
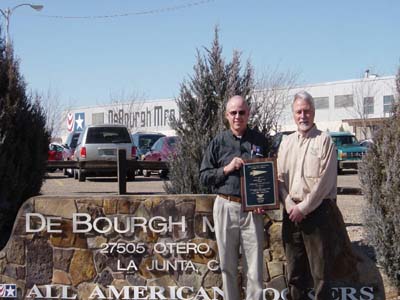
(144, 12)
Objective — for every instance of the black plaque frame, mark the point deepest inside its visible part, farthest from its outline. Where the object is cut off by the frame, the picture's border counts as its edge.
(267, 185)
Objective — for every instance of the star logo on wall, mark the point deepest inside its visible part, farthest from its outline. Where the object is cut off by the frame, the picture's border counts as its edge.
(79, 121)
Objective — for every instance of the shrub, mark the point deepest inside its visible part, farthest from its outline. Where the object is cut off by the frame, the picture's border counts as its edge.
(201, 104)
(380, 179)
(23, 143)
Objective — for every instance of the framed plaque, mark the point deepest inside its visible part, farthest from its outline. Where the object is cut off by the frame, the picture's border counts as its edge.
(259, 184)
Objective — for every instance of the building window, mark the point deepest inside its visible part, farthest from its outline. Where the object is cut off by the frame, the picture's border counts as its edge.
(98, 119)
(388, 103)
(343, 101)
(321, 102)
(368, 105)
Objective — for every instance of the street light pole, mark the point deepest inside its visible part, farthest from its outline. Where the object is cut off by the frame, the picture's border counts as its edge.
(9, 11)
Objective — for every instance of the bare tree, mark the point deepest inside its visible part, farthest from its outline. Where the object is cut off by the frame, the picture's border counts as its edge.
(398, 85)
(125, 108)
(364, 95)
(271, 97)
(53, 110)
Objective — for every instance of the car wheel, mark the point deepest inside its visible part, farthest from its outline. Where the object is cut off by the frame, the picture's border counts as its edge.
(163, 174)
(130, 176)
(65, 172)
(81, 176)
(339, 170)
(70, 173)
(146, 173)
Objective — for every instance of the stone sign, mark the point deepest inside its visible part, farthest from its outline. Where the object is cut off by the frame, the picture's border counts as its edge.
(143, 247)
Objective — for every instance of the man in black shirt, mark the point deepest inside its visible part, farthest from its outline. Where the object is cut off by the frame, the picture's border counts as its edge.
(234, 228)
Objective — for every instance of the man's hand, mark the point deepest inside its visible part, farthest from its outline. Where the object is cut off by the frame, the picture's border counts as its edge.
(295, 215)
(235, 164)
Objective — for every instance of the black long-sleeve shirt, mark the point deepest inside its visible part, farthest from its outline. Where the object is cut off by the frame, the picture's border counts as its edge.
(220, 152)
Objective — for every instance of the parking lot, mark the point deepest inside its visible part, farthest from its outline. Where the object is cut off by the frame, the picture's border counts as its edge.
(58, 184)
(349, 202)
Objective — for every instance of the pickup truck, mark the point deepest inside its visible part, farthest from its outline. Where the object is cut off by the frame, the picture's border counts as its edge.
(349, 151)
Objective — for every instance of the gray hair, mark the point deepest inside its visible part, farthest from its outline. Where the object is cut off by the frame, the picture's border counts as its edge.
(303, 95)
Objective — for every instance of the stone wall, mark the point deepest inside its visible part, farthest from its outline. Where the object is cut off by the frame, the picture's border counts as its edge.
(137, 246)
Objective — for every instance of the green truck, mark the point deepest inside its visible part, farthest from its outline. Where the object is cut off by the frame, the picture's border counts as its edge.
(349, 151)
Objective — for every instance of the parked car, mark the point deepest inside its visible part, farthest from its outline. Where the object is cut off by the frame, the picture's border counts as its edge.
(55, 152)
(70, 145)
(349, 151)
(102, 142)
(367, 143)
(161, 150)
(144, 141)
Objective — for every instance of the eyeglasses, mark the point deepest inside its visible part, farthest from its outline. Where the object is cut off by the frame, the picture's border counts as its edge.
(240, 112)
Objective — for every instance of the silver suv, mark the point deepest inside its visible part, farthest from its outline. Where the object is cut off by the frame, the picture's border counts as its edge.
(101, 142)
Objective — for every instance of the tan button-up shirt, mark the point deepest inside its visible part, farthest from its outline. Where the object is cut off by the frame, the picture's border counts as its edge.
(307, 170)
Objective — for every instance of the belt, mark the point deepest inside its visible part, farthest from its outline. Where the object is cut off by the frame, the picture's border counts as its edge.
(231, 198)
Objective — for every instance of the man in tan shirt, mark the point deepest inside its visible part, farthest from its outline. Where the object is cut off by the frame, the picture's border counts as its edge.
(307, 173)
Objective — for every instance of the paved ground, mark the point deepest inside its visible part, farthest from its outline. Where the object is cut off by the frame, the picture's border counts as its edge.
(57, 184)
(348, 179)
(351, 204)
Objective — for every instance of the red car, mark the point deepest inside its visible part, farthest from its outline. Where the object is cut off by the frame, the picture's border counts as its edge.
(160, 151)
(55, 152)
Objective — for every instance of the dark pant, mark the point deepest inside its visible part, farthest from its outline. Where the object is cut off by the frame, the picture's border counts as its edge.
(309, 253)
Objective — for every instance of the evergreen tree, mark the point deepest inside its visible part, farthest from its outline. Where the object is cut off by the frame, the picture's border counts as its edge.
(380, 178)
(23, 143)
(201, 104)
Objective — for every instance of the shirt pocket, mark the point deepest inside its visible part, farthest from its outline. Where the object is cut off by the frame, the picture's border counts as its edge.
(312, 164)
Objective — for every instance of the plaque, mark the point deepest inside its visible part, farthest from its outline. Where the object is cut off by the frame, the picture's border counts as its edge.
(259, 184)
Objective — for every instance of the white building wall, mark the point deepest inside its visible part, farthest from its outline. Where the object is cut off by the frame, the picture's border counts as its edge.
(332, 118)
(154, 115)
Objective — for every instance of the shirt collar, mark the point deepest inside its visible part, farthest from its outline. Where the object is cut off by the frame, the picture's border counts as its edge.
(239, 137)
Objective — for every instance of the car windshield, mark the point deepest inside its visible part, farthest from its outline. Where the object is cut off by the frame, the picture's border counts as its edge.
(54, 147)
(345, 140)
(171, 142)
(108, 135)
(147, 141)
(74, 141)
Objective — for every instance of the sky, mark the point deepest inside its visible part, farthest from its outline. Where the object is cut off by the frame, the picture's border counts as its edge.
(150, 51)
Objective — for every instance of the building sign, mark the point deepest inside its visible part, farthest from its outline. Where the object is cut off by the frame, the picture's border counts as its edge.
(79, 121)
(138, 247)
(158, 116)
(70, 122)
(153, 116)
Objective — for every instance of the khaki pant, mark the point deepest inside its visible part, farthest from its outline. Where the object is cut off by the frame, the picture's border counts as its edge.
(234, 229)
(308, 250)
